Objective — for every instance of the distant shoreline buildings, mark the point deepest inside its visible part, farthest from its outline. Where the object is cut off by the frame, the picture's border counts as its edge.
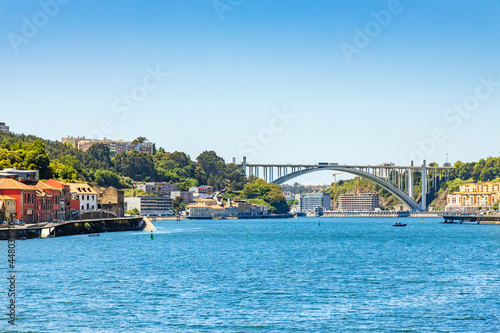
(115, 146)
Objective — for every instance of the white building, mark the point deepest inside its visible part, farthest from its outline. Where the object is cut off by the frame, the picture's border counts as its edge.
(84, 193)
(155, 206)
(364, 202)
(308, 202)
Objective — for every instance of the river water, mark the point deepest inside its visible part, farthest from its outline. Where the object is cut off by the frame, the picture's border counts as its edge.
(290, 275)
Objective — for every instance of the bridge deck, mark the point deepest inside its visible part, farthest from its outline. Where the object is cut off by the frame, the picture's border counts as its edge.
(345, 166)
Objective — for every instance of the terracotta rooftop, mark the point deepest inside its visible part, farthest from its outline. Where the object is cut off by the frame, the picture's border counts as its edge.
(81, 188)
(11, 184)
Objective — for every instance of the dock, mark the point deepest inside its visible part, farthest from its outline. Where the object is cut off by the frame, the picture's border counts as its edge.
(471, 218)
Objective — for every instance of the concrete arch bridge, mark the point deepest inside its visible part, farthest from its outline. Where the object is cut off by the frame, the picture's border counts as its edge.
(395, 179)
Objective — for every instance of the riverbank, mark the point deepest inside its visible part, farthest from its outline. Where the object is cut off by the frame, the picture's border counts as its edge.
(77, 227)
(382, 214)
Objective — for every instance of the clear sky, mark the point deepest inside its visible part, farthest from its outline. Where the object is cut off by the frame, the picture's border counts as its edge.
(345, 81)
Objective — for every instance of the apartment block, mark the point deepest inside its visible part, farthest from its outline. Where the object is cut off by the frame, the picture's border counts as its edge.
(308, 202)
(364, 202)
(154, 206)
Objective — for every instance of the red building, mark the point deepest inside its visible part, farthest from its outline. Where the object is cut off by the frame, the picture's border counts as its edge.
(25, 196)
(64, 198)
(56, 198)
(44, 207)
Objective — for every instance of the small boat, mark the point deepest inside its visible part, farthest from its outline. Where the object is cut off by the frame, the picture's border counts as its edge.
(94, 235)
(399, 224)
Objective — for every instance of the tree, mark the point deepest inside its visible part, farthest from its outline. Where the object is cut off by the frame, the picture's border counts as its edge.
(63, 172)
(270, 193)
(36, 159)
(140, 139)
(134, 211)
(98, 156)
(235, 177)
(107, 178)
(136, 165)
(178, 204)
(211, 165)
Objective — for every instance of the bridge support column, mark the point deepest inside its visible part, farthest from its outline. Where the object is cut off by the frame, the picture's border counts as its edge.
(244, 165)
(424, 185)
(410, 183)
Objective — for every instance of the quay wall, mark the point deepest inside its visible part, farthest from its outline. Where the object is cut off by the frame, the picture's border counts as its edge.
(76, 227)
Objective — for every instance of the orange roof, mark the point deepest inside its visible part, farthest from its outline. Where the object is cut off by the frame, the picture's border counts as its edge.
(11, 184)
(81, 188)
(45, 186)
(55, 183)
(6, 197)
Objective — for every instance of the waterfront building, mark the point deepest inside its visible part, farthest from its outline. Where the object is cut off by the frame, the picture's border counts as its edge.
(41, 202)
(258, 210)
(186, 196)
(4, 128)
(364, 202)
(149, 205)
(7, 208)
(198, 210)
(203, 210)
(308, 202)
(83, 197)
(111, 199)
(205, 201)
(158, 188)
(471, 196)
(65, 197)
(25, 198)
(44, 203)
(244, 207)
(48, 207)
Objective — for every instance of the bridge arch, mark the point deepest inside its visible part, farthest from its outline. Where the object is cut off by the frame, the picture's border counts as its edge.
(401, 195)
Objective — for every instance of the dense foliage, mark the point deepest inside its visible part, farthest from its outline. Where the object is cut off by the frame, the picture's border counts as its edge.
(98, 166)
(258, 191)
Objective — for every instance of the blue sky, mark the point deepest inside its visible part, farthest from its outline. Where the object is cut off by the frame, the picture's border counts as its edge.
(228, 78)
